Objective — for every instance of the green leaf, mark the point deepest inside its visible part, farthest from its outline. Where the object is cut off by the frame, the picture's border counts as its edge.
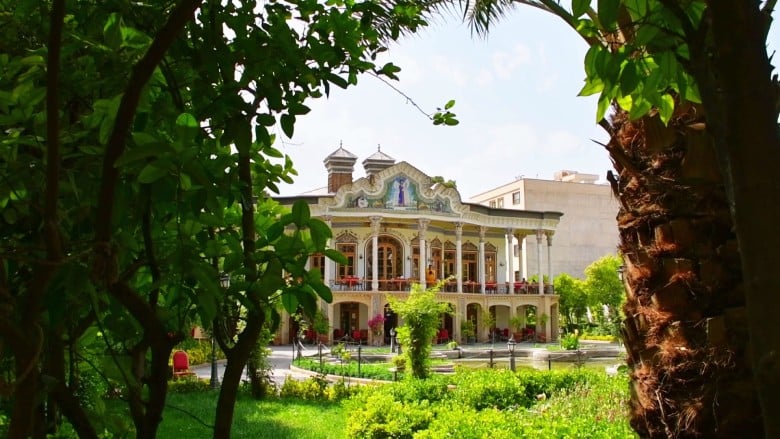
(187, 127)
(288, 124)
(241, 133)
(152, 172)
(591, 87)
(640, 107)
(667, 64)
(323, 291)
(579, 7)
(625, 102)
(336, 256)
(290, 303)
(300, 213)
(666, 108)
(689, 90)
(449, 104)
(608, 13)
(307, 299)
(604, 101)
(185, 182)
(134, 38)
(637, 9)
(320, 233)
(112, 32)
(137, 153)
(266, 119)
(629, 79)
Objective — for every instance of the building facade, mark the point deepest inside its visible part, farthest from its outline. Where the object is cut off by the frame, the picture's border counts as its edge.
(394, 225)
(587, 231)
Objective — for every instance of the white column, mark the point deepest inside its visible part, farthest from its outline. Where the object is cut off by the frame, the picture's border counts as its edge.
(549, 259)
(328, 264)
(459, 255)
(481, 261)
(510, 260)
(539, 235)
(375, 222)
(520, 252)
(423, 261)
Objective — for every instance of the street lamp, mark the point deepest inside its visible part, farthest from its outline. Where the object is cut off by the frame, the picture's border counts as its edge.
(510, 344)
(224, 282)
(620, 271)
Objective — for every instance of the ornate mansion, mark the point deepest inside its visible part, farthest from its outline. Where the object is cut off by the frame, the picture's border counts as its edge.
(395, 225)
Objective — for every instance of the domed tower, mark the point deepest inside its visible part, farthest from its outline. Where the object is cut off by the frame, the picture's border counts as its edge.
(377, 162)
(340, 165)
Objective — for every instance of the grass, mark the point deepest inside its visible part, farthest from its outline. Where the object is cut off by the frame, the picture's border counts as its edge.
(186, 414)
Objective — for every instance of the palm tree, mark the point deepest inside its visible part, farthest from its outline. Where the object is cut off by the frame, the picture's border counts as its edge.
(685, 326)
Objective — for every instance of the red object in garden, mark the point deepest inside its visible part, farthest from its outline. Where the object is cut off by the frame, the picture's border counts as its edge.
(181, 365)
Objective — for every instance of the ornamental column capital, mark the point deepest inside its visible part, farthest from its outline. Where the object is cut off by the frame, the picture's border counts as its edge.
(376, 221)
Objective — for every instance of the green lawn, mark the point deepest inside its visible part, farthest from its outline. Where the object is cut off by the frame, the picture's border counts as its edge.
(186, 414)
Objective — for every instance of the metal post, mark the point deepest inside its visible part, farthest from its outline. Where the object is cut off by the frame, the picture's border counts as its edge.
(319, 349)
(549, 363)
(392, 340)
(360, 358)
(491, 358)
(511, 347)
(214, 373)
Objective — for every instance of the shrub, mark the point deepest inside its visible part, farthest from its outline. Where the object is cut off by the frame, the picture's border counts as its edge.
(188, 386)
(312, 389)
(490, 388)
(378, 415)
(434, 388)
(570, 341)
(340, 391)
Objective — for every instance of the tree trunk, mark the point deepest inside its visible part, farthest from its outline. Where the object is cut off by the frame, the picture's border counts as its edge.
(686, 317)
(237, 357)
(741, 103)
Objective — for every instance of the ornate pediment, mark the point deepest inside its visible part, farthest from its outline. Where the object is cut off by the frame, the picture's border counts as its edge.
(399, 188)
(346, 236)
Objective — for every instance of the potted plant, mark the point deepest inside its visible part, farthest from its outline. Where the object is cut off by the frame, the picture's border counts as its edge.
(489, 322)
(321, 325)
(376, 326)
(543, 318)
(468, 330)
(517, 322)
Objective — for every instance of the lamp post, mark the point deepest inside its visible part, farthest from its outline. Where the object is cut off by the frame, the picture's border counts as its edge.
(224, 282)
(392, 340)
(510, 344)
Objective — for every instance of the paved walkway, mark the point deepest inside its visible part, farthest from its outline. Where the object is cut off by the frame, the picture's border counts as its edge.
(281, 356)
(281, 359)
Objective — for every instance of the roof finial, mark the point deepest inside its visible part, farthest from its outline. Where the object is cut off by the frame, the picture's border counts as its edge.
(378, 148)
(341, 143)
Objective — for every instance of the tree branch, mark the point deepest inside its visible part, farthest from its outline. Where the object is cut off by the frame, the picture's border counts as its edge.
(140, 75)
(51, 230)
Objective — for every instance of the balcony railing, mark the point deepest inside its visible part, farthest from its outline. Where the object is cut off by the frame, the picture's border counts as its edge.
(404, 284)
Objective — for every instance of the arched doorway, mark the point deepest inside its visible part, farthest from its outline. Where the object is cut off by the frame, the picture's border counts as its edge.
(389, 258)
(391, 321)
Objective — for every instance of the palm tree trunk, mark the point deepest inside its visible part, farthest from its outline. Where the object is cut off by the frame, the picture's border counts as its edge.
(686, 320)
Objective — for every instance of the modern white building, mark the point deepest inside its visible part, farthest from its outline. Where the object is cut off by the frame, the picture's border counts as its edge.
(395, 223)
(587, 231)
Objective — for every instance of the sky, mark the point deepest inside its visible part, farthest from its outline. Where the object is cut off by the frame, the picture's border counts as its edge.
(515, 95)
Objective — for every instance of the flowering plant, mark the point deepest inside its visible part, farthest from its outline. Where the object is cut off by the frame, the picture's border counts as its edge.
(375, 324)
